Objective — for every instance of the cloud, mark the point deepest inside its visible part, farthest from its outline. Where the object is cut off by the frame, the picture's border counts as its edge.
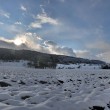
(34, 42)
(28, 41)
(18, 23)
(82, 53)
(46, 19)
(87, 54)
(13, 28)
(4, 14)
(104, 56)
(36, 24)
(6, 43)
(23, 8)
(43, 18)
(53, 48)
(73, 33)
(100, 45)
(50, 43)
(5, 40)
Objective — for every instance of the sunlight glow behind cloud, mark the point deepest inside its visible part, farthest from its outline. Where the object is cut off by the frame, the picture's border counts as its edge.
(34, 42)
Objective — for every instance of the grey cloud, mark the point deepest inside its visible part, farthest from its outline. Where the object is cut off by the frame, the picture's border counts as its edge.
(104, 56)
(100, 45)
(85, 54)
(54, 48)
(50, 43)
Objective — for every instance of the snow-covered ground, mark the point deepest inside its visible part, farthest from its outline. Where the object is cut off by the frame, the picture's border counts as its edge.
(23, 63)
(54, 89)
(20, 63)
(78, 66)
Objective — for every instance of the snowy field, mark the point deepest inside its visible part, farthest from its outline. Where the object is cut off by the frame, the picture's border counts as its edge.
(49, 89)
(78, 66)
(23, 63)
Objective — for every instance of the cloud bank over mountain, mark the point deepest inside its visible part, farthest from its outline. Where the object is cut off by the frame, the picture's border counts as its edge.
(32, 41)
(63, 27)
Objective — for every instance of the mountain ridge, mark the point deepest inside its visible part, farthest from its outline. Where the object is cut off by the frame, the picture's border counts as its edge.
(44, 58)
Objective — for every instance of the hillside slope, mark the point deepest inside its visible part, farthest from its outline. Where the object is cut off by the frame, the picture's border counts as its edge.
(34, 56)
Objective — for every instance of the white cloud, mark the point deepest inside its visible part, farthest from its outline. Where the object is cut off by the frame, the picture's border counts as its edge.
(23, 8)
(4, 14)
(104, 56)
(46, 19)
(6, 40)
(36, 25)
(19, 23)
(43, 18)
(30, 39)
(42, 9)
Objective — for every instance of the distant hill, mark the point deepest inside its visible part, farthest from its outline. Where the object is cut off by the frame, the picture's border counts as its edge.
(41, 59)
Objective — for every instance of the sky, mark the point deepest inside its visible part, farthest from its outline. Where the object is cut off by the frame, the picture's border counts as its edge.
(77, 28)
